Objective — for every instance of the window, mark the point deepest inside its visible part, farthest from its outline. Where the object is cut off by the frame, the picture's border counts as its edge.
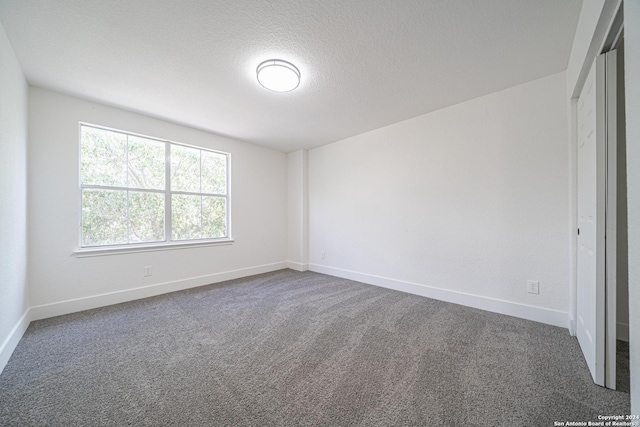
(139, 190)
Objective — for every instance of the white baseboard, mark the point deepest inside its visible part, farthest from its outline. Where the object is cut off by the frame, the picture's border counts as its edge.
(44, 311)
(572, 327)
(12, 340)
(297, 266)
(537, 314)
(79, 304)
(622, 331)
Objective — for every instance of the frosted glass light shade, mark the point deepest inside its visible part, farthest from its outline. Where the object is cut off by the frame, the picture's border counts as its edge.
(278, 75)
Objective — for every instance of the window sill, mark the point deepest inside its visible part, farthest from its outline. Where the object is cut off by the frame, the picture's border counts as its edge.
(118, 250)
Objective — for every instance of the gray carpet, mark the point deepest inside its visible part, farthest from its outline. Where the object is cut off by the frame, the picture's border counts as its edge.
(289, 348)
(623, 379)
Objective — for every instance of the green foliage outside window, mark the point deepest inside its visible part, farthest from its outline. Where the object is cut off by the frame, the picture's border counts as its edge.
(125, 190)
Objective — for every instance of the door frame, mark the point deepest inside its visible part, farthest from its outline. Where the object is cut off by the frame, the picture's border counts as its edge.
(611, 208)
(606, 37)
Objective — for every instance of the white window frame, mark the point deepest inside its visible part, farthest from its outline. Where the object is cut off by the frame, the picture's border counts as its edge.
(167, 243)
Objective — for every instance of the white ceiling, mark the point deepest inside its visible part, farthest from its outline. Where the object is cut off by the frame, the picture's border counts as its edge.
(364, 63)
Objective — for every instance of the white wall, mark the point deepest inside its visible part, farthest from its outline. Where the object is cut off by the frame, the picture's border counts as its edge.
(13, 199)
(258, 201)
(471, 199)
(297, 207)
(632, 83)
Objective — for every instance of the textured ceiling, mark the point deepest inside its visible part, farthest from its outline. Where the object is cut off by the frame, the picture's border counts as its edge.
(364, 63)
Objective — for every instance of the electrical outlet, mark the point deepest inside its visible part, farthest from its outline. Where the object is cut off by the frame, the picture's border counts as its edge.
(147, 271)
(322, 255)
(533, 287)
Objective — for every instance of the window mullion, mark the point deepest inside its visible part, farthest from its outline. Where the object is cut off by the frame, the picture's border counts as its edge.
(128, 220)
(201, 233)
(167, 192)
(192, 193)
(127, 164)
(227, 208)
(200, 189)
(114, 187)
(127, 192)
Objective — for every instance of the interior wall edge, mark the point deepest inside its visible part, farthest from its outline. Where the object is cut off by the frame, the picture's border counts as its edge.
(11, 342)
(522, 311)
(60, 308)
(14, 275)
(298, 266)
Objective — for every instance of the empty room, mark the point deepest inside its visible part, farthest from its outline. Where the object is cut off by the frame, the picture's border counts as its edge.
(322, 213)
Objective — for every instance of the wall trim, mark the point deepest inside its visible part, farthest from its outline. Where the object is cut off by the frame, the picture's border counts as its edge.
(606, 19)
(14, 337)
(60, 308)
(572, 327)
(38, 312)
(86, 303)
(523, 311)
(297, 266)
(622, 331)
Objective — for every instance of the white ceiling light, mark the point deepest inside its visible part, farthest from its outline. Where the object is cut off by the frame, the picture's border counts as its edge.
(278, 75)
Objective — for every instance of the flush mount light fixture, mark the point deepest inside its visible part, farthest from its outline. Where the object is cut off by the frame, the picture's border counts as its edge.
(278, 75)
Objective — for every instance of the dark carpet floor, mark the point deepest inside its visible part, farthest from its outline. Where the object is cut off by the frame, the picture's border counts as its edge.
(289, 348)
(623, 379)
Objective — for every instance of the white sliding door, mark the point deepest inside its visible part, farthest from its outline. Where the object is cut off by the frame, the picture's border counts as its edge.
(596, 280)
(590, 325)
